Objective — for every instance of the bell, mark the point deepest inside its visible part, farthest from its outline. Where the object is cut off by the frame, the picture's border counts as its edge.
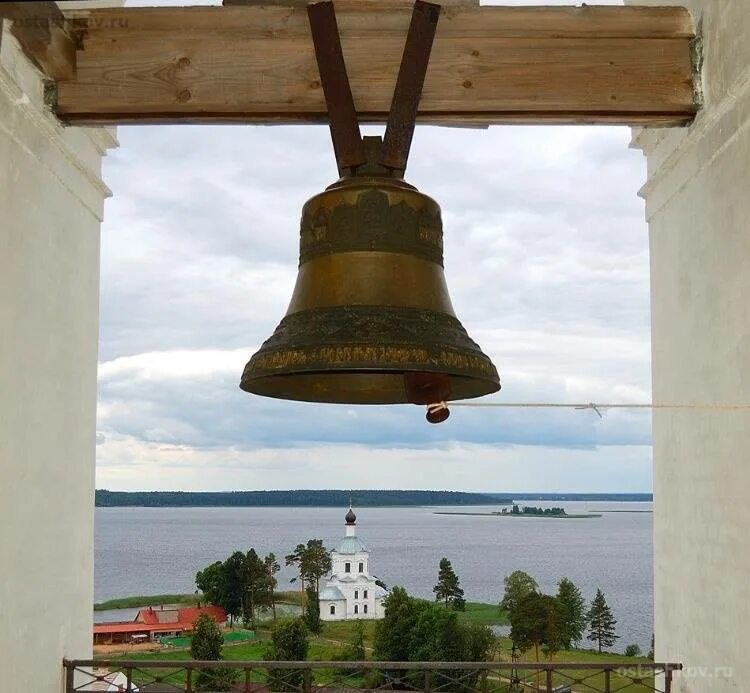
(370, 320)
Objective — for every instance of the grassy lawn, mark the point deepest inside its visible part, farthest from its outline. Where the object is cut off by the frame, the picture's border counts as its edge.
(329, 645)
(291, 597)
(595, 682)
(181, 599)
(150, 600)
(343, 631)
(485, 614)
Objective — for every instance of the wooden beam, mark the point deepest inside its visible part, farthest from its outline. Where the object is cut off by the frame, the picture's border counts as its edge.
(490, 64)
(41, 29)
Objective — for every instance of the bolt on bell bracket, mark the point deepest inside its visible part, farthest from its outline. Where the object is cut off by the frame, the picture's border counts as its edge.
(348, 145)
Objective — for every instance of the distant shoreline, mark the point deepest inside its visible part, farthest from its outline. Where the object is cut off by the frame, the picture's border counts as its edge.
(557, 516)
(335, 498)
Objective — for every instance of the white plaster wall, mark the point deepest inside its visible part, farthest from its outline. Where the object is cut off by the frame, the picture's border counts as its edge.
(698, 209)
(349, 590)
(51, 200)
(339, 561)
(325, 610)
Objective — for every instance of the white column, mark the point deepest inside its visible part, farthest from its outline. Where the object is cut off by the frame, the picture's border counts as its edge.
(698, 208)
(51, 198)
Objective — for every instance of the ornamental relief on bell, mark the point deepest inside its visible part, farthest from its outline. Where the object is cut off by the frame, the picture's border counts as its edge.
(372, 223)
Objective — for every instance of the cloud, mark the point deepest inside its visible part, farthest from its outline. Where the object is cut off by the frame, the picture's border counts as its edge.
(546, 262)
(130, 464)
(192, 397)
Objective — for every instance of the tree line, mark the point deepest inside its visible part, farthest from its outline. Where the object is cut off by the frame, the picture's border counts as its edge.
(549, 622)
(412, 629)
(301, 498)
(555, 622)
(241, 584)
(244, 582)
(532, 510)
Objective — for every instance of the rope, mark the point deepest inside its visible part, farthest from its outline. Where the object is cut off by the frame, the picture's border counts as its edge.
(593, 406)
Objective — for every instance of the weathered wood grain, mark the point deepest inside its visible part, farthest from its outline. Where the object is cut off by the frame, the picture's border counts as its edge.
(488, 65)
(41, 30)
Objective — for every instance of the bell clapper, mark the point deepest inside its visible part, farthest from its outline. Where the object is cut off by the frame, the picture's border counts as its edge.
(437, 412)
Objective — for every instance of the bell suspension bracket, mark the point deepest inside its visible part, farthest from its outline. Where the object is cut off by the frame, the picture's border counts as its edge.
(342, 114)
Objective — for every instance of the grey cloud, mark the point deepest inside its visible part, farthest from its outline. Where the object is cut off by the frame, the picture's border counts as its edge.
(546, 259)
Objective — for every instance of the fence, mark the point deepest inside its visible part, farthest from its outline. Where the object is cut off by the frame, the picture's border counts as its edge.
(186, 676)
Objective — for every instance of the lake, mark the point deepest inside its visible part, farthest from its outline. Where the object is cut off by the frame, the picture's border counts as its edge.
(159, 550)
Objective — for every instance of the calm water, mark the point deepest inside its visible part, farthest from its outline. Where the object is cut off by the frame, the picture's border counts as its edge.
(159, 550)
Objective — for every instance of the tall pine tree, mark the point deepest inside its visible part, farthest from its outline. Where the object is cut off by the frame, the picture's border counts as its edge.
(448, 589)
(571, 611)
(312, 610)
(601, 622)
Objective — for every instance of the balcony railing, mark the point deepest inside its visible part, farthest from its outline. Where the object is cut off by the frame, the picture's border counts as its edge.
(150, 676)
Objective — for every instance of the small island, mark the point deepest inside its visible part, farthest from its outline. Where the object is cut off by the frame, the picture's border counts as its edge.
(527, 511)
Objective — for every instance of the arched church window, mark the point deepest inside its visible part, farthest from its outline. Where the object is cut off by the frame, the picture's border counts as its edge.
(361, 567)
(365, 594)
(365, 608)
(347, 567)
(333, 609)
(356, 608)
(356, 594)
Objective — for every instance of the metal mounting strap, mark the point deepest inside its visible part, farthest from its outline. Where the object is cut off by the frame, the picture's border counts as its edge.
(342, 115)
(411, 75)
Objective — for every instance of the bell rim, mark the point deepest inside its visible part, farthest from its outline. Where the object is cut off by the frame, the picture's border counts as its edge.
(370, 338)
(250, 385)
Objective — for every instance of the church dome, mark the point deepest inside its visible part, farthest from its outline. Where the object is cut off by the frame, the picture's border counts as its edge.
(350, 518)
(351, 545)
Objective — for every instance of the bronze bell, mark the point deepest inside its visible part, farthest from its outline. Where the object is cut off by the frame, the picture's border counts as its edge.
(370, 320)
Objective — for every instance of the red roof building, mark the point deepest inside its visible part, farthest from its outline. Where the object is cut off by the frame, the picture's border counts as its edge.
(150, 623)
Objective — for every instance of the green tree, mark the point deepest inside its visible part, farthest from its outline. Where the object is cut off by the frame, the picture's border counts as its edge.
(633, 650)
(601, 622)
(295, 559)
(572, 612)
(288, 643)
(448, 589)
(534, 622)
(254, 586)
(436, 636)
(207, 639)
(271, 583)
(210, 581)
(312, 610)
(355, 649)
(234, 584)
(393, 631)
(517, 585)
(417, 630)
(312, 560)
(205, 645)
(315, 562)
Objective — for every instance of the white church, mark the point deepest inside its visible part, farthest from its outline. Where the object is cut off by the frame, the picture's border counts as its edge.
(350, 592)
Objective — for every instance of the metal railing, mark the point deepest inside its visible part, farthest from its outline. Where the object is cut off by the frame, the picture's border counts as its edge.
(147, 676)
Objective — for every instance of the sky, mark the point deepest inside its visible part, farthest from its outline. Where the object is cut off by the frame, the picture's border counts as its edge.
(546, 258)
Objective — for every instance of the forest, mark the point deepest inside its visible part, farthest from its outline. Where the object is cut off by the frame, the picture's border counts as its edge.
(299, 498)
